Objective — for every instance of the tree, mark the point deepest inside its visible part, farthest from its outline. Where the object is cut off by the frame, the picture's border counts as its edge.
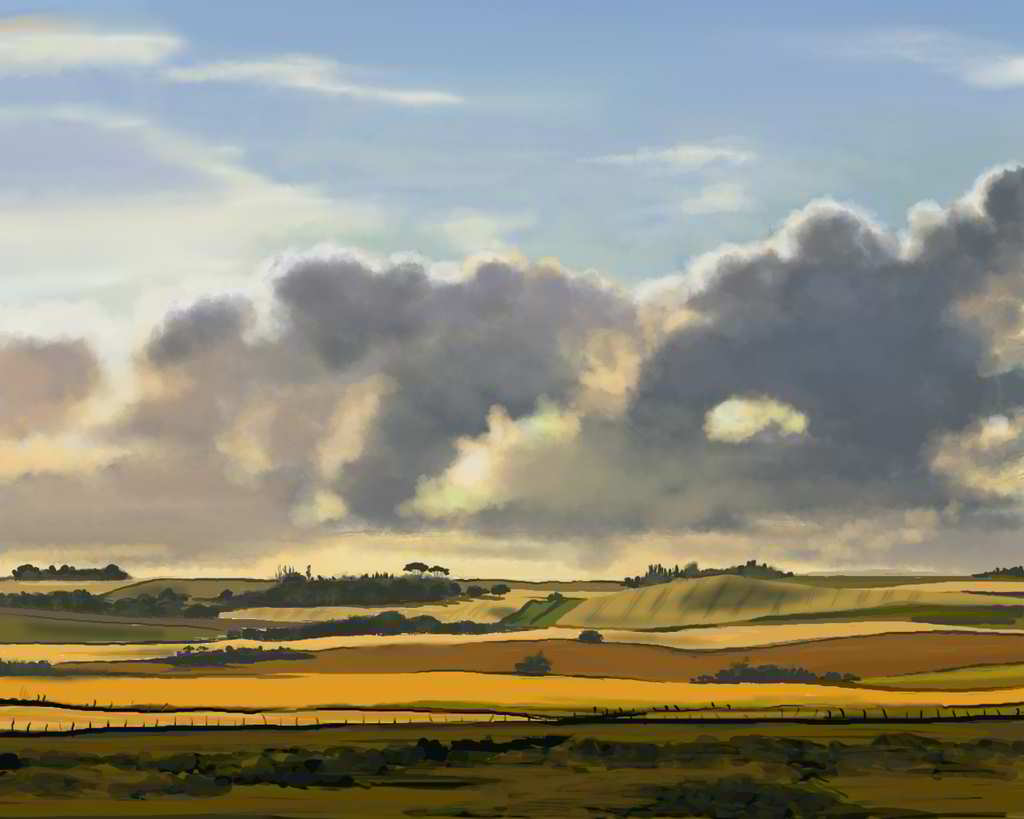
(476, 591)
(500, 588)
(590, 636)
(535, 665)
(416, 567)
(438, 570)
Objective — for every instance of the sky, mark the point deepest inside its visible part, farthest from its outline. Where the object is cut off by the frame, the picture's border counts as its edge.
(540, 291)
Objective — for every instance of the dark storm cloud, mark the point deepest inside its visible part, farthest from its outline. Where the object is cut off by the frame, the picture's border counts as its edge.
(504, 337)
(200, 327)
(341, 309)
(41, 382)
(858, 335)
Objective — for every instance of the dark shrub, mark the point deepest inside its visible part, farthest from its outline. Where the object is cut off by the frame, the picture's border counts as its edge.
(590, 636)
(535, 665)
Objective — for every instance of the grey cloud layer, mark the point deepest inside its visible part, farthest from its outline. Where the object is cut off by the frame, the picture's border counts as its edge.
(385, 398)
(41, 382)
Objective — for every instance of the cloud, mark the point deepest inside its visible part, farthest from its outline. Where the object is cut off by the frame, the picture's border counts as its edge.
(477, 479)
(43, 382)
(304, 72)
(850, 394)
(736, 419)
(681, 157)
(973, 61)
(720, 197)
(468, 231)
(36, 45)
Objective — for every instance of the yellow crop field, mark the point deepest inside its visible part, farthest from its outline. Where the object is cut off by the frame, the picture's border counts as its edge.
(459, 689)
(731, 599)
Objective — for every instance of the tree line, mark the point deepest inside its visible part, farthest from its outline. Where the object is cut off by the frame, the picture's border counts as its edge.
(109, 572)
(385, 623)
(1009, 571)
(656, 573)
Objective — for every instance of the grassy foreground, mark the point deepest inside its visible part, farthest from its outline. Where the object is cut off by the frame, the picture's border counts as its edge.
(758, 771)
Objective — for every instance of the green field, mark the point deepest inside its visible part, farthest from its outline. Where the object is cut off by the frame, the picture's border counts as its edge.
(974, 678)
(40, 627)
(995, 616)
(200, 588)
(541, 613)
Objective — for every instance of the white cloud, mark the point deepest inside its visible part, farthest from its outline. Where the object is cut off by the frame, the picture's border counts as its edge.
(473, 231)
(31, 45)
(737, 419)
(999, 72)
(478, 479)
(976, 62)
(682, 157)
(720, 197)
(304, 72)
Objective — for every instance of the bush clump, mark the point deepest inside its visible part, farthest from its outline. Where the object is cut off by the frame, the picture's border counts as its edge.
(744, 672)
(536, 665)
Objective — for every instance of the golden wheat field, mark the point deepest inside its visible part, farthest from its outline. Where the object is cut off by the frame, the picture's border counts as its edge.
(710, 638)
(460, 689)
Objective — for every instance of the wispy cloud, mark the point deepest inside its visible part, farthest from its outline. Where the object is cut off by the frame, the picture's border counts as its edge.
(681, 157)
(976, 62)
(721, 197)
(34, 45)
(304, 72)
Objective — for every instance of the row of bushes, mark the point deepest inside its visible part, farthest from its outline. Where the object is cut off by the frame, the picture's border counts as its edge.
(656, 573)
(368, 589)
(203, 657)
(742, 672)
(383, 624)
(167, 603)
(29, 572)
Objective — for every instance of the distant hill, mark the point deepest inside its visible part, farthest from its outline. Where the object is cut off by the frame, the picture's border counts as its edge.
(730, 599)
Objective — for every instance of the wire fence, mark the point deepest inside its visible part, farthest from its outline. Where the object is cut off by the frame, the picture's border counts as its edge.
(42, 718)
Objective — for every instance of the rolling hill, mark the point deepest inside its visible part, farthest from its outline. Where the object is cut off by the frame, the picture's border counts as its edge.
(732, 599)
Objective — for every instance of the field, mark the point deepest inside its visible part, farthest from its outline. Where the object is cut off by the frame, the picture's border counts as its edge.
(199, 589)
(919, 649)
(21, 626)
(730, 599)
(489, 609)
(10, 586)
(507, 770)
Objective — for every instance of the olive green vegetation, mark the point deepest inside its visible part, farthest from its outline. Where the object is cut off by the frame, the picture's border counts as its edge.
(995, 616)
(722, 772)
(541, 613)
(971, 678)
(41, 628)
(206, 588)
(839, 581)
